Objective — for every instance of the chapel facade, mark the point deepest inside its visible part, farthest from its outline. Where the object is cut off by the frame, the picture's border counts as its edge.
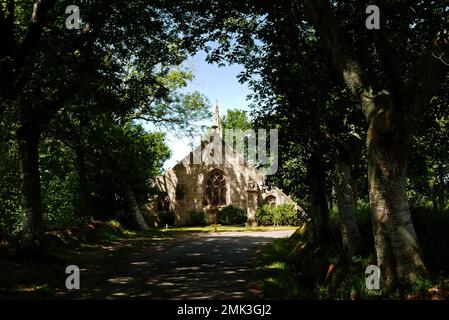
(211, 177)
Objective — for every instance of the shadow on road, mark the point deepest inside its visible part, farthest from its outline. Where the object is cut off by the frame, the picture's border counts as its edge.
(213, 266)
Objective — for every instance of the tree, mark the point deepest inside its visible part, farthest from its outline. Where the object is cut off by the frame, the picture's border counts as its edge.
(47, 63)
(236, 119)
(391, 92)
(390, 103)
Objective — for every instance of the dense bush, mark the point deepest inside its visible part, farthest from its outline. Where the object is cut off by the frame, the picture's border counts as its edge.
(285, 214)
(298, 255)
(166, 217)
(264, 215)
(197, 218)
(282, 215)
(10, 206)
(231, 215)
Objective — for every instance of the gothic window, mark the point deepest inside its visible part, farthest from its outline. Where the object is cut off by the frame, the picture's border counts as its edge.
(271, 201)
(180, 192)
(216, 189)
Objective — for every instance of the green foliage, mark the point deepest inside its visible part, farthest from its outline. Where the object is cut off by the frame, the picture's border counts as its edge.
(236, 119)
(197, 218)
(275, 275)
(166, 218)
(59, 184)
(325, 273)
(264, 215)
(232, 215)
(98, 86)
(285, 214)
(10, 210)
(282, 215)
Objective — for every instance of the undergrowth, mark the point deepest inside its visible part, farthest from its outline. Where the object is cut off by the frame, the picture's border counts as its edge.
(296, 268)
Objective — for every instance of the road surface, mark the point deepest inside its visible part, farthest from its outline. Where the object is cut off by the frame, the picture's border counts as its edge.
(190, 266)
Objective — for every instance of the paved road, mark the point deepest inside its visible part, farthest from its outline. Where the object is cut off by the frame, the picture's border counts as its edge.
(198, 266)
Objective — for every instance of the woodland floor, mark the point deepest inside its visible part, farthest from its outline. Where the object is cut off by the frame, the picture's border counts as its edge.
(179, 265)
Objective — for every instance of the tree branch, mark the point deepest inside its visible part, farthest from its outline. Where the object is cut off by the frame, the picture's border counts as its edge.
(389, 65)
(342, 57)
(35, 27)
(429, 72)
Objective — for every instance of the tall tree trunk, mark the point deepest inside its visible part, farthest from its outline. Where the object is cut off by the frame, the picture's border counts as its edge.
(346, 207)
(82, 176)
(386, 112)
(139, 220)
(397, 247)
(318, 197)
(28, 152)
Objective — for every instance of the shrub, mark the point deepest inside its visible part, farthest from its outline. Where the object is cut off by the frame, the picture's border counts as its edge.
(264, 215)
(197, 218)
(285, 214)
(166, 217)
(231, 215)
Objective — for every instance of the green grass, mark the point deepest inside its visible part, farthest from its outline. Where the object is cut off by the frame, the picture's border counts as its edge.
(220, 228)
(295, 268)
(274, 273)
(152, 233)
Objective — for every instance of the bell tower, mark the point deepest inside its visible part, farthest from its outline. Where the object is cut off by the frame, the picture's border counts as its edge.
(217, 129)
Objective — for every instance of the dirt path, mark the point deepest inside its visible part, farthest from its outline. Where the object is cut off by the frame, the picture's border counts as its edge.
(189, 266)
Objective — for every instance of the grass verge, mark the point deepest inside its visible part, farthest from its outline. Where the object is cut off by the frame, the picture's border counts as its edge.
(293, 268)
(220, 228)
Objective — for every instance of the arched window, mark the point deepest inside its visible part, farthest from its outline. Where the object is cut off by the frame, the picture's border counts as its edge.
(271, 201)
(216, 189)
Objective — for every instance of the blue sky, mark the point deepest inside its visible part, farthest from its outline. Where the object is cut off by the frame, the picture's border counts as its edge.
(216, 83)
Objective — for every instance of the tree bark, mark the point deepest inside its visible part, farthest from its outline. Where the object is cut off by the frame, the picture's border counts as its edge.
(347, 210)
(318, 197)
(397, 247)
(386, 112)
(135, 210)
(28, 152)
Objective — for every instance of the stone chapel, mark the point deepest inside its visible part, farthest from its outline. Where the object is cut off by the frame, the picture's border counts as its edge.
(211, 177)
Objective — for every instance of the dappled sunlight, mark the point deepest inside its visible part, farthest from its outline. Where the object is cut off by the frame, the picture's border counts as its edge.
(121, 280)
(197, 266)
(139, 263)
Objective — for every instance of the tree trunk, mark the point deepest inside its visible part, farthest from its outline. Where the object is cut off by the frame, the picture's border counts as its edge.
(347, 210)
(388, 133)
(28, 152)
(397, 247)
(82, 175)
(318, 197)
(135, 210)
